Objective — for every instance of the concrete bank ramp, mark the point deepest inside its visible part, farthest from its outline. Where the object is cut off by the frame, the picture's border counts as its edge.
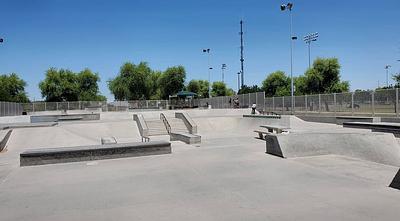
(376, 147)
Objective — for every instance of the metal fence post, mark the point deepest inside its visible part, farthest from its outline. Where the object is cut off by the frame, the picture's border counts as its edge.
(319, 103)
(352, 103)
(273, 104)
(373, 103)
(263, 100)
(397, 102)
(334, 102)
(57, 105)
(68, 105)
(283, 104)
(305, 103)
(33, 107)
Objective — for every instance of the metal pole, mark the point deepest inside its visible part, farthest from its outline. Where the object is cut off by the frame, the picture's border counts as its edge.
(397, 102)
(305, 100)
(209, 75)
(283, 104)
(373, 101)
(352, 103)
(319, 103)
(334, 102)
(309, 54)
(291, 56)
(273, 104)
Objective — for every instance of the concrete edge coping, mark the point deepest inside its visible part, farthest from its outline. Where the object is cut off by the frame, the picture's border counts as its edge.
(28, 125)
(4, 139)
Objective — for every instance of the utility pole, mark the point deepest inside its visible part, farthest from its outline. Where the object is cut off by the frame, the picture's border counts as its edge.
(223, 68)
(238, 81)
(241, 51)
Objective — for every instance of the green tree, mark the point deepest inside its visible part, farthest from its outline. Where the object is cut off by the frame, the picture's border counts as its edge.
(172, 81)
(200, 87)
(59, 85)
(249, 89)
(65, 85)
(219, 89)
(131, 82)
(154, 89)
(12, 89)
(88, 86)
(323, 77)
(276, 84)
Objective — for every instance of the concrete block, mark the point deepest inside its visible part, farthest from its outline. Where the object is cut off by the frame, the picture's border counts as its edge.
(396, 181)
(108, 140)
(185, 137)
(95, 152)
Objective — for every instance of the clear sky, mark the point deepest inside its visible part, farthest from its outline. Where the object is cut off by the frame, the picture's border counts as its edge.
(103, 34)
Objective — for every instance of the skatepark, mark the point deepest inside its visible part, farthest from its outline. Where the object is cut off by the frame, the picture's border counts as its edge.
(310, 171)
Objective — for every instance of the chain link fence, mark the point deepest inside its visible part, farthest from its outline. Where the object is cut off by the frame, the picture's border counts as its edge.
(381, 102)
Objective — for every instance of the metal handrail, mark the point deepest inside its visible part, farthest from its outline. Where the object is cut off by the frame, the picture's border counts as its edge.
(166, 123)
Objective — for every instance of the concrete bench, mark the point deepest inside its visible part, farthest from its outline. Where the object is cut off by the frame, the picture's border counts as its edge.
(261, 134)
(393, 128)
(95, 152)
(276, 129)
(185, 137)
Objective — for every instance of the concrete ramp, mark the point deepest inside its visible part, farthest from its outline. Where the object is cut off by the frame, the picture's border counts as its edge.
(375, 147)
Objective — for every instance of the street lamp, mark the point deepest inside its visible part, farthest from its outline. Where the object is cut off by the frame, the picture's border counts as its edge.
(223, 67)
(209, 71)
(289, 7)
(308, 39)
(387, 75)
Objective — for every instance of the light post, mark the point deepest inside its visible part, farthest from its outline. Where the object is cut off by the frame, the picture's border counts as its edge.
(1, 40)
(223, 67)
(289, 7)
(209, 71)
(387, 75)
(308, 39)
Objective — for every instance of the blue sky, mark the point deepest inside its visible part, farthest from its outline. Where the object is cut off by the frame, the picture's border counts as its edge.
(102, 35)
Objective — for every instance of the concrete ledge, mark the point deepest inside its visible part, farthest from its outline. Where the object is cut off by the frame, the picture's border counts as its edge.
(376, 147)
(343, 119)
(396, 181)
(4, 136)
(262, 116)
(55, 118)
(393, 128)
(185, 137)
(27, 125)
(95, 152)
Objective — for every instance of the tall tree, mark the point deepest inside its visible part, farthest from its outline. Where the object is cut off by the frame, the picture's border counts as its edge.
(323, 77)
(65, 85)
(12, 88)
(219, 89)
(200, 87)
(132, 82)
(88, 86)
(172, 81)
(249, 89)
(276, 84)
(59, 85)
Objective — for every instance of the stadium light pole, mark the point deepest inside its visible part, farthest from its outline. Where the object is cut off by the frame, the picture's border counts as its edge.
(223, 67)
(209, 71)
(387, 75)
(289, 7)
(239, 73)
(308, 39)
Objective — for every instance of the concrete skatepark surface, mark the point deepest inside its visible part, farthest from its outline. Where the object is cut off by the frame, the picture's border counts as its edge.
(227, 177)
